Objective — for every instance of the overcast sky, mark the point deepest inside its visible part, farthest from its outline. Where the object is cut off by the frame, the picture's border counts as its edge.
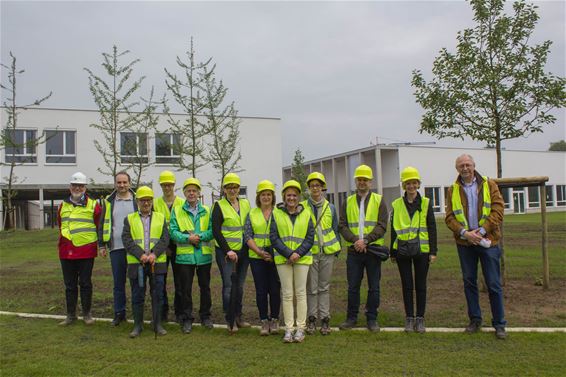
(336, 73)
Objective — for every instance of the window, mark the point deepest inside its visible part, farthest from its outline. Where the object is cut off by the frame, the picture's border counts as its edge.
(446, 196)
(506, 200)
(167, 148)
(243, 192)
(60, 147)
(21, 146)
(561, 195)
(534, 197)
(434, 194)
(133, 147)
(549, 196)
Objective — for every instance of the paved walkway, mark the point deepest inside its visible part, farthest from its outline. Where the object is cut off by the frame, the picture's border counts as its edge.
(384, 329)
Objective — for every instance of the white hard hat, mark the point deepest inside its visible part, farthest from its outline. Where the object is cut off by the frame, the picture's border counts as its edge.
(78, 178)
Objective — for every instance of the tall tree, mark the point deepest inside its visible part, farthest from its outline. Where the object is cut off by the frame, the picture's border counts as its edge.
(222, 128)
(9, 141)
(493, 88)
(112, 95)
(299, 173)
(187, 93)
(558, 146)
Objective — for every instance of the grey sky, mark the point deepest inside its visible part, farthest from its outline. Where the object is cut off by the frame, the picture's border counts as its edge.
(336, 73)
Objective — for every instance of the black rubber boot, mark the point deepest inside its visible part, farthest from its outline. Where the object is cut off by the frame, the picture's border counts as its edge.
(138, 321)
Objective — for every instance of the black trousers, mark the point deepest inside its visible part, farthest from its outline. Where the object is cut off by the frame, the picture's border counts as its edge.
(186, 274)
(418, 284)
(77, 272)
(176, 283)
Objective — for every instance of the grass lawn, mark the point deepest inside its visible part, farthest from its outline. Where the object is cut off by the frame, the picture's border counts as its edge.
(31, 281)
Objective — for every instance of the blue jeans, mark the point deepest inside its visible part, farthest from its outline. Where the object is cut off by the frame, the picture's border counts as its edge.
(225, 268)
(119, 270)
(489, 260)
(355, 265)
(138, 293)
(267, 288)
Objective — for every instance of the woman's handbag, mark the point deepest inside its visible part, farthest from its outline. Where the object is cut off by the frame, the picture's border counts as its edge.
(410, 248)
(382, 252)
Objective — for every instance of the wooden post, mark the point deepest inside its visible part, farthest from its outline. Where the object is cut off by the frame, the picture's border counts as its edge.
(545, 265)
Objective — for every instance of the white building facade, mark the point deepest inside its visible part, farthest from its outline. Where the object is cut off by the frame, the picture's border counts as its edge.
(437, 168)
(43, 171)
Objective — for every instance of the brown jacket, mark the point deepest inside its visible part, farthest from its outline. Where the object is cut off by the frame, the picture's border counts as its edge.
(492, 224)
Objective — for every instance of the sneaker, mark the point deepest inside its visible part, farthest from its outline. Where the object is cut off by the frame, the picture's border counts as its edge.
(207, 323)
(500, 333)
(69, 320)
(419, 325)
(264, 327)
(160, 330)
(372, 325)
(187, 327)
(274, 326)
(299, 336)
(325, 326)
(409, 324)
(473, 327)
(311, 325)
(288, 337)
(241, 323)
(87, 318)
(348, 324)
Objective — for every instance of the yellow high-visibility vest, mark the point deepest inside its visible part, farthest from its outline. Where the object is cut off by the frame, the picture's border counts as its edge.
(458, 209)
(233, 225)
(372, 214)
(155, 232)
(407, 228)
(159, 205)
(330, 240)
(291, 234)
(185, 223)
(260, 228)
(77, 223)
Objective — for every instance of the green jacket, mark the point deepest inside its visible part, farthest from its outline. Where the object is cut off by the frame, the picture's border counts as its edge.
(197, 258)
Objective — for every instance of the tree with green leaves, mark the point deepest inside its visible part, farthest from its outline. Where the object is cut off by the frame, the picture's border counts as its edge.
(494, 87)
(113, 95)
(187, 91)
(18, 150)
(299, 173)
(558, 146)
(222, 129)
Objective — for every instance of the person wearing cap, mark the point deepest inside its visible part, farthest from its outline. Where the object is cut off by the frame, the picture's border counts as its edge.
(78, 217)
(292, 236)
(115, 208)
(412, 222)
(228, 219)
(363, 222)
(164, 205)
(324, 250)
(474, 213)
(145, 238)
(191, 230)
(266, 279)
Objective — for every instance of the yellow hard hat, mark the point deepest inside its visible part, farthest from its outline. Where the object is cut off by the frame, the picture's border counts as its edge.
(410, 173)
(192, 181)
(265, 185)
(231, 178)
(318, 176)
(166, 176)
(363, 171)
(291, 183)
(144, 192)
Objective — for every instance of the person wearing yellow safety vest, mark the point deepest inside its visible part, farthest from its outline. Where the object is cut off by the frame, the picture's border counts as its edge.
(412, 219)
(145, 237)
(228, 219)
(325, 250)
(363, 222)
(115, 208)
(474, 214)
(292, 236)
(164, 205)
(191, 229)
(78, 217)
(266, 279)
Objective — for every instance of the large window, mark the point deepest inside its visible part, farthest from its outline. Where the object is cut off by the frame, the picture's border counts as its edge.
(434, 194)
(133, 147)
(21, 146)
(167, 148)
(549, 196)
(506, 198)
(534, 197)
(60, 147)
(561, 195)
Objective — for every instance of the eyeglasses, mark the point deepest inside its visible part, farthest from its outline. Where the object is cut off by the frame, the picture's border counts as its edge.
(315, 186)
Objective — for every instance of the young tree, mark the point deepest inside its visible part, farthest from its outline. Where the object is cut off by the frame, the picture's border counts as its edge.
(187, 93)
(298, 172)
(112, 96)
(222, 128)
(494, 87)
(9, 140)
(558, 146)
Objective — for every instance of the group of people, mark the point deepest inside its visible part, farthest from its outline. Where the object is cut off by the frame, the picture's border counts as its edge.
(291, 248)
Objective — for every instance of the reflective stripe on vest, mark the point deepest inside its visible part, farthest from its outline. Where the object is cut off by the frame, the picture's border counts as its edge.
(107, 224)
(458, 209)
(185, 223)
(260, 228)
(159, 205)
(407, 228)
(330, 241)
(233, 225)
(137, 233)
(291, 234)
(77, 223)
(370, 222)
